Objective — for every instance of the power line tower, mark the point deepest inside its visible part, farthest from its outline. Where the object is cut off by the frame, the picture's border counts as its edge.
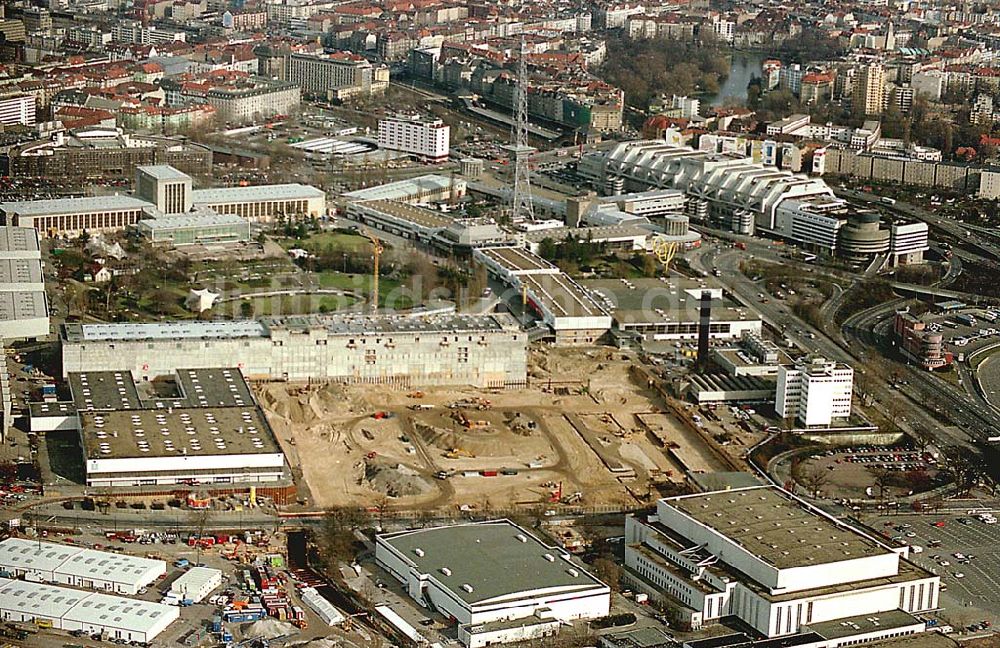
(518, 149)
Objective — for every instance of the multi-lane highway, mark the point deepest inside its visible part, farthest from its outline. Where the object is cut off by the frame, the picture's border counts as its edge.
(957, 405)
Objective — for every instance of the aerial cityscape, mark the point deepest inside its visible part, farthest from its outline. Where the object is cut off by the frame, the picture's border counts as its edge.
(428, 323)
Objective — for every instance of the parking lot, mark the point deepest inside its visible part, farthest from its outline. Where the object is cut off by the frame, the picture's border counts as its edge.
(973, 597)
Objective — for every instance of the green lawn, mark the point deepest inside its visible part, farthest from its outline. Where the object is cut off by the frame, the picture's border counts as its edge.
(295, 305)
(322, 240)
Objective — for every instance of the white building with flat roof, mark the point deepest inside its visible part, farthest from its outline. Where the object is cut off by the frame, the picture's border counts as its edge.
(70, 609)
(772, 561)
(24, 307)
(499, 582)
(815, 391)
(428, 139)
(79, 567)
(197, 583)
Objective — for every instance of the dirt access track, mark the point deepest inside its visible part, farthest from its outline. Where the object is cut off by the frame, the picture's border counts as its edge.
(562, 440)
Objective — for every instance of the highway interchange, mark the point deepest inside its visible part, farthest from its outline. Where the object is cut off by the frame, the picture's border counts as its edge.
(969, 417)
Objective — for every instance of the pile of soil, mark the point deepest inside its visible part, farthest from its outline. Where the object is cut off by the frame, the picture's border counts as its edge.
(396, 481)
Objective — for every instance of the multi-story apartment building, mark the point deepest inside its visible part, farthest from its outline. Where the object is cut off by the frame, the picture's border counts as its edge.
(869, 90)
(17, 109)
(427, 139)
(815, 391)
(238, 101)
(336, 76)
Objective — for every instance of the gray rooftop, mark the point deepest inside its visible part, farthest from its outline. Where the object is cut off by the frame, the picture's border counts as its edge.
(402, 189)
(72, 205)
(492, 559)
(20, 271)
(335, 324)
(127, 331)
(104, 390)
(18, 240)
(517, 260)
(22, 305)
(224, 195)
(191, 221)
(662, 301)
(864, 624)
(775, 527)
(163, 172)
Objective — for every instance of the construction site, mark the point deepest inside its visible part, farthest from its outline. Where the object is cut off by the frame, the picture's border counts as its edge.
(605, 440)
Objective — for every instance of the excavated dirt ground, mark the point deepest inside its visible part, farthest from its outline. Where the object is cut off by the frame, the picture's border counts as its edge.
(347, 457)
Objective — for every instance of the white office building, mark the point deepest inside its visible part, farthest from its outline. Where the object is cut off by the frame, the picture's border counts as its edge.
(428, 139)
(908, 243)
(79, 567)
(815, 391)
(782, 567)
(18, 109)
(500, 583)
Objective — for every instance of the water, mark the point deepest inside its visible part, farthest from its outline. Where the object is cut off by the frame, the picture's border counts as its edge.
(745, 65)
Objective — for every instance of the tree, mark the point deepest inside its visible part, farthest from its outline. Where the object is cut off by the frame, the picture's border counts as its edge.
(246, 309)
(607, 570)
(811, 476)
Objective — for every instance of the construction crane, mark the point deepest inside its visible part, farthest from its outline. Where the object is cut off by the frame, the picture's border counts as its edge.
(665, 252)
(378, 249)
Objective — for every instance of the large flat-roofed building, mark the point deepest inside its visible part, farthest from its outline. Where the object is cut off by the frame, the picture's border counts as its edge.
(73, 215)
(495, 579)
(668, 309)
(195, 229)
(102, 152)
(426, 226)
(426, 188)
(772, 561)
(79, 567)
(483, 351)
(91, 612)
(163, 190)
(264, 203)
(24, 307)
(211, 431)
(337, 76)
(573, 314)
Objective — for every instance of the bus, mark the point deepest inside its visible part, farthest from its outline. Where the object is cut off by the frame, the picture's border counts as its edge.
(967, 320)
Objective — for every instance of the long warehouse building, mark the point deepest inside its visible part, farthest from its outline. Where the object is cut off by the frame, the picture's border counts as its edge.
(210, 432)
(573, 314)
(482, 350)
(91, 612)
(79, 567)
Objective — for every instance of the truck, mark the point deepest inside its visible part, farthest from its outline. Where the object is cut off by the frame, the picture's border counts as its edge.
(888, 201)
(966, 319)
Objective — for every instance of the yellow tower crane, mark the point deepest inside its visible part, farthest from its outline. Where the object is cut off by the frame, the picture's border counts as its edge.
(665, 252)
(377, 249)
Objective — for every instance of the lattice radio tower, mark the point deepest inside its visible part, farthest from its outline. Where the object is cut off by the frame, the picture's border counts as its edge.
(518, 149)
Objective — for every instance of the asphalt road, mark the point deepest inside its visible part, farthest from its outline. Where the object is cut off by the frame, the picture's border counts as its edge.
(779, 316)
